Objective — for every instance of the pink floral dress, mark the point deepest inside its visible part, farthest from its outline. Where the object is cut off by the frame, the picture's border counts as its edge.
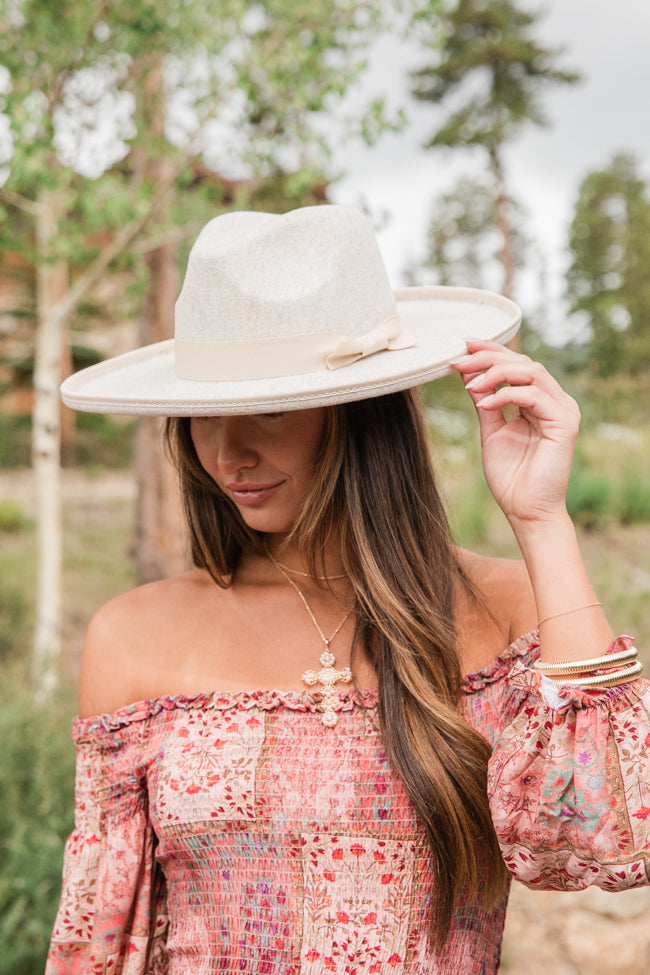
(236, 833)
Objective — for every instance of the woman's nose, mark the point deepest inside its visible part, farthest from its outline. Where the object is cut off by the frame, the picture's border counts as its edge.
(235, 448)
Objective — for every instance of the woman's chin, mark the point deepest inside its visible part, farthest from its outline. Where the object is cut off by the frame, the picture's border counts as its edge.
(266, 522)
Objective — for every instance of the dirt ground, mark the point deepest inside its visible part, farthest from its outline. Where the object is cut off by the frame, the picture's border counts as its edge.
(547, 933)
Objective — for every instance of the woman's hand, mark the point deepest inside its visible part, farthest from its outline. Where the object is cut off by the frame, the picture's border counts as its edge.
(527, 459)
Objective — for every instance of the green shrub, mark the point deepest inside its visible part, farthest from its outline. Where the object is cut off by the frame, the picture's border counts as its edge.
(633, 502)
(101, 441)
(590, 497)
(14, 621)
(12, 516)
(36, 815)
(104, 441)
(15, 603)
(15, 441)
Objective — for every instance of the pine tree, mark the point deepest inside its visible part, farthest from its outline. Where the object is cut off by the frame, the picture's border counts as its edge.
(463, 237)
(609, 276)
(490, 72)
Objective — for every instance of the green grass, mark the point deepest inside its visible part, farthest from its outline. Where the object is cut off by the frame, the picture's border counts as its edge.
(633, 497)
(37, 767)
(15, 618)
(98, 563)
(36, 815)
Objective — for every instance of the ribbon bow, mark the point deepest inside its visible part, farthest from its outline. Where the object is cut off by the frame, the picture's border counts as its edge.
(388, 334)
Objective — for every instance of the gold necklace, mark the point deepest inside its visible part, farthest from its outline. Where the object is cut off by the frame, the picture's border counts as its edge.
(307, 575)
(327, 676)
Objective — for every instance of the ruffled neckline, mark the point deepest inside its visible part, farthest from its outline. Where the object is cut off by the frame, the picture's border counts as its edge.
(262, 700)
(502, 665)
(270, 700)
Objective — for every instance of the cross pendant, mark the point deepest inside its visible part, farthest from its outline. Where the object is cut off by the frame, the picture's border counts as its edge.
(328, 677)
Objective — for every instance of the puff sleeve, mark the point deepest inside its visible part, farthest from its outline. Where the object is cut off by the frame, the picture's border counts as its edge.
(112, 914)
(569, 783)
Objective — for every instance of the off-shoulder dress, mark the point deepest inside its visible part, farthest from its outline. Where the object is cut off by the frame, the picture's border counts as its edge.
(235, 833)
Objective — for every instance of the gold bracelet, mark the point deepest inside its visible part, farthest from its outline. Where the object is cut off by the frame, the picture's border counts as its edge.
(588, 663)
(567, 612)
(622, 676)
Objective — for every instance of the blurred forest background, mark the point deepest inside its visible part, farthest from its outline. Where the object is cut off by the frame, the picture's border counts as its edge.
(121, 126)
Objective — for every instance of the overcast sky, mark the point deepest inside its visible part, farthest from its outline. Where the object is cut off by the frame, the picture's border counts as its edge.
(608, 43)
(396, 180)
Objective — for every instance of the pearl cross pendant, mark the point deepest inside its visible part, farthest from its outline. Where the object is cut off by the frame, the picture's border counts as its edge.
(328, 677)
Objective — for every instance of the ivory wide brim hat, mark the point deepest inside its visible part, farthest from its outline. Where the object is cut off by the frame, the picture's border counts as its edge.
(291, 311)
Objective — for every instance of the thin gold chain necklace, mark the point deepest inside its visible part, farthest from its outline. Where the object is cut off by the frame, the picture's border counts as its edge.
(327, 676)
(307, 575)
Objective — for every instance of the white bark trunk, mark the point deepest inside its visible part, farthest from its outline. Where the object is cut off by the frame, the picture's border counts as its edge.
(46, 441)
(503, 221)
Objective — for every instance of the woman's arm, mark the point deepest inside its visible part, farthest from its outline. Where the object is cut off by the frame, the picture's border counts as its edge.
(527, 462)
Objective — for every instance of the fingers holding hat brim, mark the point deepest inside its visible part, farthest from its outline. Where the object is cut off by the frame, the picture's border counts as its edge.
(144, 382)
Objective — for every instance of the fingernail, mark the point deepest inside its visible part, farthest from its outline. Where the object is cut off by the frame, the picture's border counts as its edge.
(459, 360)
(476, 381)
(486, 400)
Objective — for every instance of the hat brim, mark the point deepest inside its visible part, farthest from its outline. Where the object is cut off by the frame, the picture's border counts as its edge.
(441, 319)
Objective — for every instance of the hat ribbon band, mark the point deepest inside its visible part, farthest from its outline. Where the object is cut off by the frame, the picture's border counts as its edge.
(287, 355)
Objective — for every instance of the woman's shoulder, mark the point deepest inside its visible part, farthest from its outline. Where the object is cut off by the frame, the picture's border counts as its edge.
(131, 634)
(498, 609)
(151, 604)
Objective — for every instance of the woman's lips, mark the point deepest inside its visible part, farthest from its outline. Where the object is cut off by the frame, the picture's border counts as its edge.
(252, 493)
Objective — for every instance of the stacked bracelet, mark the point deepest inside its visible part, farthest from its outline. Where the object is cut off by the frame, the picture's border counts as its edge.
(604, 680)
(607, 671)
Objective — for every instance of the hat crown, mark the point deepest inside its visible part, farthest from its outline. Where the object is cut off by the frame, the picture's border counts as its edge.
(253, 275)
(291, 311)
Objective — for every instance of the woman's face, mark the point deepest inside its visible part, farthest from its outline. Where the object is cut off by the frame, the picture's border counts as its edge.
(263, 462)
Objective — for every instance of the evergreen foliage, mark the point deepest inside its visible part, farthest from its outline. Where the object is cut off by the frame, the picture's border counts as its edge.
(489, 60)
(463, 237)
(609, 276)
(489, 72)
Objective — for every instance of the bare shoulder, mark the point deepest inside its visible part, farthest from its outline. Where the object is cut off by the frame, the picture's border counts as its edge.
(505, 608)
(122, 638)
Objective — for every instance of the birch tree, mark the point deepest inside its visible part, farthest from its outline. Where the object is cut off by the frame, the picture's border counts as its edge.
(246, 86)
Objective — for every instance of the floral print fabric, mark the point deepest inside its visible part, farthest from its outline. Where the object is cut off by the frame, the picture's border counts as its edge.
(236, 833)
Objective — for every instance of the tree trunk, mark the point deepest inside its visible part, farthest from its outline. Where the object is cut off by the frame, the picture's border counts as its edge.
(502, 210)
(68, 426)
(161, 548)
(51, 282)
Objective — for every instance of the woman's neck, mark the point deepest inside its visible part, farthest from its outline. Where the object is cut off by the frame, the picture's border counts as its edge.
(287, 555)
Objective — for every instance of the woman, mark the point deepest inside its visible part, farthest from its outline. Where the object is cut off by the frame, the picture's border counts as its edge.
(281, 765)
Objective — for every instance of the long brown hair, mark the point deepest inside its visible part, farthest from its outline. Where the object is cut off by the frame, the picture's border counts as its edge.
(374, 482)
